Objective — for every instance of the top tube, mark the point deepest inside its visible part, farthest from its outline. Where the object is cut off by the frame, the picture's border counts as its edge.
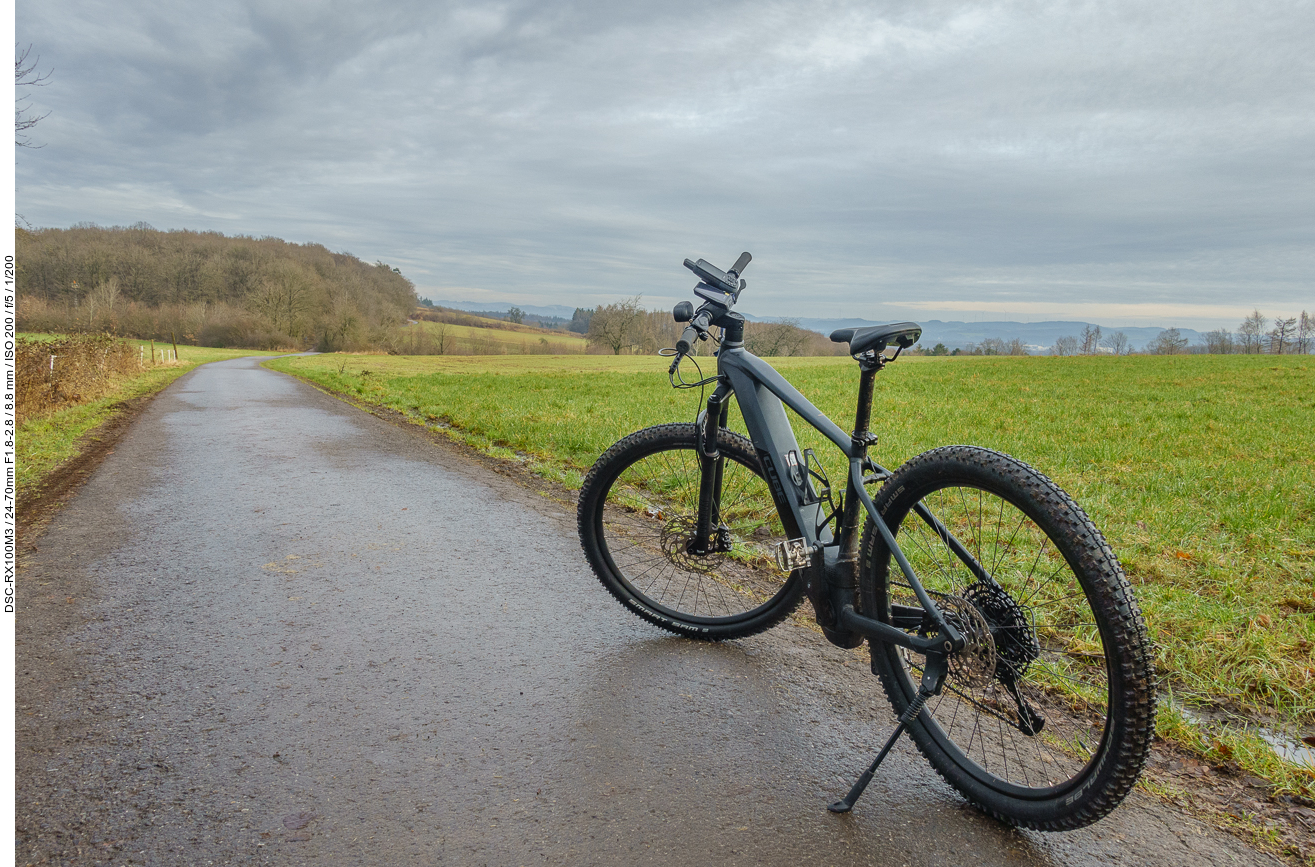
(760, 371)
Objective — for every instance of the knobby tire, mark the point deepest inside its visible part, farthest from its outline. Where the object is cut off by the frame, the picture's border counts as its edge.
(1066, 635)
(636, 514)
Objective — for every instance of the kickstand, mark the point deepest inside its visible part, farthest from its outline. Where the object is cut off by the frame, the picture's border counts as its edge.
(932, 678)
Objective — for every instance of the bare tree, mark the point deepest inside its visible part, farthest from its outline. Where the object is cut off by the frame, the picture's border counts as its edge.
(1118, 343)
(285, 295)
(775, 339)
(1219, 341)
(1066, 345)
(1250, 332)
(616, 326)
(1090, 340)
(26, 75)
(1282, 335)
(1168, 342)
(102, 298)
(1305, 332)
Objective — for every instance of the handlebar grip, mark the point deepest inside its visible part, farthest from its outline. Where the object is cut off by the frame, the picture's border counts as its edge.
(692, 332)
(742, 262)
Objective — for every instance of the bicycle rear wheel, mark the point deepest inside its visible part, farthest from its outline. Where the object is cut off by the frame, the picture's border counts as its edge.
(1046, 719)
(636, 516)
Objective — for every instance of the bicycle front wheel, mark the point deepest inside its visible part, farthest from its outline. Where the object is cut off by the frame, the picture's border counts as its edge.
(1045, 720)
(637, 513)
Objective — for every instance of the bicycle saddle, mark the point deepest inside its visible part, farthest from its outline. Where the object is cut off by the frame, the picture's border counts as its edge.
(877, 337)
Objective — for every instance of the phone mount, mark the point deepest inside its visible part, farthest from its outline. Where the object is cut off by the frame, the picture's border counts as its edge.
(718, 286)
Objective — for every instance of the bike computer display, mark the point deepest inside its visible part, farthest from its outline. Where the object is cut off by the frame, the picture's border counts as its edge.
(714, 277)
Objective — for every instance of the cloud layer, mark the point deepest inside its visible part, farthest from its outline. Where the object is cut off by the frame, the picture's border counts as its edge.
(1145, 163)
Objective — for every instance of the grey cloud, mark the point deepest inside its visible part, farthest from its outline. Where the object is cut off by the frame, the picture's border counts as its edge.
(558, 152)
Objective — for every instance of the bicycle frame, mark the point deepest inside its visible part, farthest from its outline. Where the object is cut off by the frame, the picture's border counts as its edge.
(763, 394)
(1046, 675)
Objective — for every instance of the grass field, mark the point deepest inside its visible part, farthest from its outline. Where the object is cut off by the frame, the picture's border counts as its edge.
(502, 339)
(45, 441)
(1200, 470)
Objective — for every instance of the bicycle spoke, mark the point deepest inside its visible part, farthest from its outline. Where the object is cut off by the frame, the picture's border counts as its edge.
(1069, 660)
(650, 521)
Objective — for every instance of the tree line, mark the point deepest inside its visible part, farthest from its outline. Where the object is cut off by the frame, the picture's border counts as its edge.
(626, 327)
(1294, 335)
(1094, 342)
(205, 288)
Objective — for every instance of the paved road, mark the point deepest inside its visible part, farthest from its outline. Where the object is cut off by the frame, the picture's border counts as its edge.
(273, 629)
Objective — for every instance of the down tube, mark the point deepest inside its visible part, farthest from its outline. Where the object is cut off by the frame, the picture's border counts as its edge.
(783, 462)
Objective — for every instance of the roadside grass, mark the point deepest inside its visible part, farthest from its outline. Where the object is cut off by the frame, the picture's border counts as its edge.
(1200, 470)
(44, 440)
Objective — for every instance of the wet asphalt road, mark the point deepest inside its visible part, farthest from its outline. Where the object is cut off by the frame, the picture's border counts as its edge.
(273, 629)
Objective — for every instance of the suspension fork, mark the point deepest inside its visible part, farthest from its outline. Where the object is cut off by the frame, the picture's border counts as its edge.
(711, 465)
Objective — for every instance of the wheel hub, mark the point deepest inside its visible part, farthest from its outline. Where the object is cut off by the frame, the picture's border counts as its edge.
(975, 665)
(678, 543)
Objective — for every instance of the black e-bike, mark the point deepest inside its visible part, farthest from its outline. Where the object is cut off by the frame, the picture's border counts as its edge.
(999, 622)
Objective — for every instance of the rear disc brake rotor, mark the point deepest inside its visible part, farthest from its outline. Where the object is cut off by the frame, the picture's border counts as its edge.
(975, 665)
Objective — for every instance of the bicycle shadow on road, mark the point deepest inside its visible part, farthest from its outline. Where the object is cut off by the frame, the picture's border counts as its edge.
(729, 750)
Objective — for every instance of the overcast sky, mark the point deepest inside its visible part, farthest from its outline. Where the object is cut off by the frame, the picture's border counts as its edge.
(1123, 163)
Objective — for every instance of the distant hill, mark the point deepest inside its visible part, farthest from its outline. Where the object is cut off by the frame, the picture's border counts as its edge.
(205, 287)
(558, 311)
(1038, 336)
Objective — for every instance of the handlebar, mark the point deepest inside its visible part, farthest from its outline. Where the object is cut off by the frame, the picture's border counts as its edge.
(697, 326)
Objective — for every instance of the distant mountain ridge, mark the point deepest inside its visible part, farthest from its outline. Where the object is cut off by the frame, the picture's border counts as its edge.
(559, 310)
(1036, 335)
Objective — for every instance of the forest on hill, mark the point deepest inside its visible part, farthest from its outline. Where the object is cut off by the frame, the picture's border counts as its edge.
(206, 288)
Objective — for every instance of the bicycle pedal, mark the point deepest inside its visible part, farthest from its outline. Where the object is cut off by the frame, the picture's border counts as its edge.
(793, 554)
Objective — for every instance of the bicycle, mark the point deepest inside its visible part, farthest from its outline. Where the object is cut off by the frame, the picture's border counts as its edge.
(999, 621)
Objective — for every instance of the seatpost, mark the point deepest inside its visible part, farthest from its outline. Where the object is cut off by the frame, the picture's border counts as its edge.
(863, 417)
(862, 438)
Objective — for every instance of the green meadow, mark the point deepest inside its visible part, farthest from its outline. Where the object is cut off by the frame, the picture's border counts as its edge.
(496, 338)
(1200, 470)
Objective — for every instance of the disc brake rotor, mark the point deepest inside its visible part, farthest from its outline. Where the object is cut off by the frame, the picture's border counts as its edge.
(678, 533)
(975, 665)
